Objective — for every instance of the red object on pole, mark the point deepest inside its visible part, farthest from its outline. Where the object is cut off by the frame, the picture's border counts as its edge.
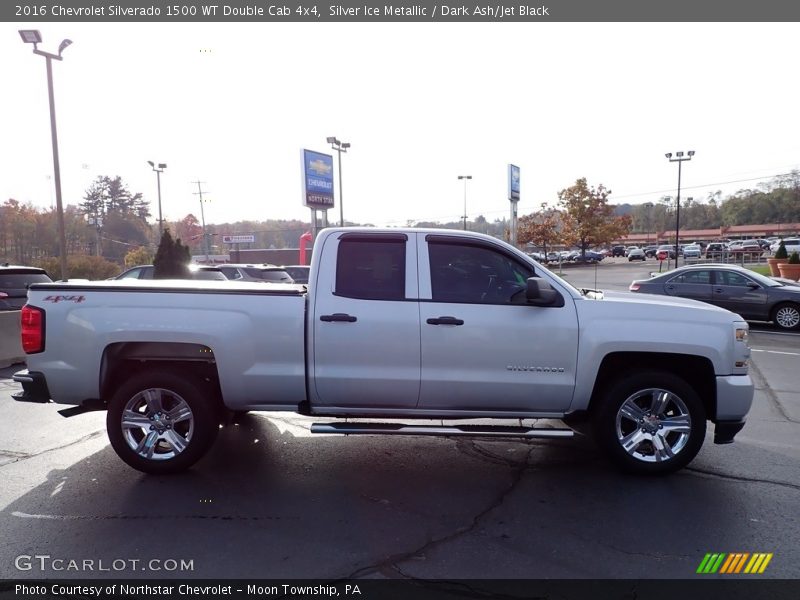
(306, 237)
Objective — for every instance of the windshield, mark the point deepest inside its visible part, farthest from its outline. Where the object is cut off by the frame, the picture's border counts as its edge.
(765, 281)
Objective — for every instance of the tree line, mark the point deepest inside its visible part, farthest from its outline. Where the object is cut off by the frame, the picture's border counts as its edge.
(111, 222)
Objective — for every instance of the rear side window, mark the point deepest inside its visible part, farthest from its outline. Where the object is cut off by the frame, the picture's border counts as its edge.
(371, 269)
(20, 280)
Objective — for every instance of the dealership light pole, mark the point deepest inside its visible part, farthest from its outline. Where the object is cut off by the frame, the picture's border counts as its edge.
(648, 206)
(32, 36)
(465, 177)
(339, 147)
(159, 170)
(679, 158)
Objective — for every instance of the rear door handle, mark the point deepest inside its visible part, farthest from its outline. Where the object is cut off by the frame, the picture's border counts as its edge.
(445, 321)
(338, 317)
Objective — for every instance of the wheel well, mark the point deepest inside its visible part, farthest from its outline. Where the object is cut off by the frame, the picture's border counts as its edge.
(697, 371)
(124, 359)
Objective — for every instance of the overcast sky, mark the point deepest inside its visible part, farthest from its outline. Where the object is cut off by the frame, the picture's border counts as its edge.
(233, 104)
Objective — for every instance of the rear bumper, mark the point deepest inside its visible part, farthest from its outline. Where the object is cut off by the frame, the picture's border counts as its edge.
(34, 387)
(725, 431)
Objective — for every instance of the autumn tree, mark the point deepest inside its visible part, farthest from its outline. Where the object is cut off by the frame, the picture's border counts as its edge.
(588, 219)
(542, 229)
(189, 229)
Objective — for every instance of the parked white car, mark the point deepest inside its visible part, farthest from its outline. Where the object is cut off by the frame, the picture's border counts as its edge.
(692, 251)
(792, 245)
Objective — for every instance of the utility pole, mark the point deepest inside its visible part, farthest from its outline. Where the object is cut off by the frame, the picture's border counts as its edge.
(199, 192)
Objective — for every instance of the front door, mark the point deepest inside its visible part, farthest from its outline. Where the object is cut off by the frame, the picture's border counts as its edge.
(483, 347)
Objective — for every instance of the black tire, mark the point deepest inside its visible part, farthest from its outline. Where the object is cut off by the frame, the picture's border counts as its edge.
(178, 419)
(678, 408)
(786, 316)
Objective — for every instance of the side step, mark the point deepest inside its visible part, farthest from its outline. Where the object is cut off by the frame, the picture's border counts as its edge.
(440, 430)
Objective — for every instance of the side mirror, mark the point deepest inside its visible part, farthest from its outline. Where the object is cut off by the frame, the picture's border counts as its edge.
(539, 292)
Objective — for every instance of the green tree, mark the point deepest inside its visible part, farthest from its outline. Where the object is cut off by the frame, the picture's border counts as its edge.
(172, 258)
(138, 256)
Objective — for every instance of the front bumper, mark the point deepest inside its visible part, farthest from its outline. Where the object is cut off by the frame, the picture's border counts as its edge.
(734, 399)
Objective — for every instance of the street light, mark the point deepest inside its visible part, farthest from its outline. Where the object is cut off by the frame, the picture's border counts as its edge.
(32, 36)
(648, 206)
(679, 158)
(339, 147)
(465, 177)
(159, 170)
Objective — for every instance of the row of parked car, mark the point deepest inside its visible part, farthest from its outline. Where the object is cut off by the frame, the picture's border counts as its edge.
(14, 280)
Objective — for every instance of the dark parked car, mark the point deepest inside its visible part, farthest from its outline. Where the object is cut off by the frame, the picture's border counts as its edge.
(740, 290)
(650, 251)
(747, 247)
(618, 251)
(263, 273)
(716, 250)
(300, 272)
(203, 272)
(14, 282)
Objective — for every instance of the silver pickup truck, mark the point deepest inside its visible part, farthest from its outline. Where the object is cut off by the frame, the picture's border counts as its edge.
(394, 324)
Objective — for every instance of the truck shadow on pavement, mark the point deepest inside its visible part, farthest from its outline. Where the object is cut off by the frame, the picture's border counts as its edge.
(269, 500)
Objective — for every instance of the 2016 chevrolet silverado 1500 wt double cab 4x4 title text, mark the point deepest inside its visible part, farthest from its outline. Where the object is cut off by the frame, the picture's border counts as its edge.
(394, 324)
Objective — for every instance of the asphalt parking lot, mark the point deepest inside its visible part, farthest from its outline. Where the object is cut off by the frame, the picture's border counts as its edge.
(272, 501)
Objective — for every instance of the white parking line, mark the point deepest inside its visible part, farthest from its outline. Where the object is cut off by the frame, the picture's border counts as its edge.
(775, 352)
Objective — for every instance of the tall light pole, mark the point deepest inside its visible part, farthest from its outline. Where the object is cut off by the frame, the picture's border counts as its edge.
(159, 170)
(465, 177)
(648, 206)
(679, 158)
(32, 36)
(339, 147)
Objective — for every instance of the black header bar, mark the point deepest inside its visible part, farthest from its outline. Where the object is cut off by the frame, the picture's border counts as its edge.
(371, 11)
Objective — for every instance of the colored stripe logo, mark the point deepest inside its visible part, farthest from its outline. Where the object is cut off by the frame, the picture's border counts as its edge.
(734, 563)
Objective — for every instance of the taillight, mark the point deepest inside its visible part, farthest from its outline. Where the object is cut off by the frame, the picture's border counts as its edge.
(32, 329)
(634, 287)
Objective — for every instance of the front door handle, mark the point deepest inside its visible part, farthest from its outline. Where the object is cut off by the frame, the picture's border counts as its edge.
(338, 317)
(445, 321)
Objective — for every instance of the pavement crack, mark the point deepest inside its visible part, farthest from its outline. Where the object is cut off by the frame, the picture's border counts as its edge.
(20, 456)
(793, 486)
(391, 562)
(770, 393)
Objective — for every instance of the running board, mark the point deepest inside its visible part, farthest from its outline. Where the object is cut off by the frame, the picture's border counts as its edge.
(440, 430)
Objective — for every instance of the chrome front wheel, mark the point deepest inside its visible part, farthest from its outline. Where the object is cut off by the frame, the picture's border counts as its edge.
(650, 423)
(653, 425)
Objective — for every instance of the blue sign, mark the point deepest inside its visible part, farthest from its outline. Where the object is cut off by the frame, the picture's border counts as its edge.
(513, 183)
(317, 180)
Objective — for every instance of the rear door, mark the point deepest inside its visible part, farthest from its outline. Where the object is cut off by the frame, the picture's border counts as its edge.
(690, 284)
(365, 319)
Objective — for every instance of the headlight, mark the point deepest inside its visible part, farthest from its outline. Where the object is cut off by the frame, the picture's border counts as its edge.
(742, 335)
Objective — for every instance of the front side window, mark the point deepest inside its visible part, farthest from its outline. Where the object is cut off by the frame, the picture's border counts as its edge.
(476, 274)
(732, 279)
(371, 269)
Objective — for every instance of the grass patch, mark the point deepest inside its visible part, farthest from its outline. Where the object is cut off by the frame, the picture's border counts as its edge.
(760, 269)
